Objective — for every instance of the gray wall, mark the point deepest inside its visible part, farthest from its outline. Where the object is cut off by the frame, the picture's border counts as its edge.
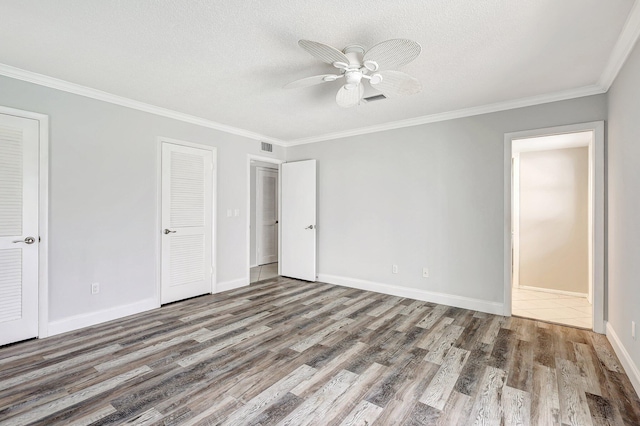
(103, 197)
(554, 219)
(624, 204)
(429, 195)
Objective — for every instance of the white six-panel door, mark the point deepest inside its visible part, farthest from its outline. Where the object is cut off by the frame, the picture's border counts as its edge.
(298, 226)
(19, 157)
(187, 222)
(267, 215)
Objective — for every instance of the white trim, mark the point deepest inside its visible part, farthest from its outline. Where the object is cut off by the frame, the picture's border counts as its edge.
(596, 165)
(627, 362)
(43, 80)
(515, 224)
(253, 157)
(623, 47)
(43, 214)
(214, 215)
(92, 318)
(554, 291)
(414, 293)
(461, 113)
(231, 285)
(65, 86)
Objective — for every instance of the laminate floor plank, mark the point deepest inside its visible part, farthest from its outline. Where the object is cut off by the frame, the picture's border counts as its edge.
(284, 351)
(364, 414)
(545, 403)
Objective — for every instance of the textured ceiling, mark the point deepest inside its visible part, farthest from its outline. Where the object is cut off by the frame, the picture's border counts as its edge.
(227, 60)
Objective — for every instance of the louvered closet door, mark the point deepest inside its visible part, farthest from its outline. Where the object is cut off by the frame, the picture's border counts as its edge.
(18, 228)
(187, 212)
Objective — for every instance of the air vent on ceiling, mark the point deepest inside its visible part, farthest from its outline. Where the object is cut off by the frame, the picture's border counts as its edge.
(374, 98)
(266, 147)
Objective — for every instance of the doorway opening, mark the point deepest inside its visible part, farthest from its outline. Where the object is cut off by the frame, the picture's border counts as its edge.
(555, 252)
(264, 212)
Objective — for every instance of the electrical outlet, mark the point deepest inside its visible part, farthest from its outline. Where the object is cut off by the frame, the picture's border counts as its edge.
(95, 288)
(425, 272)
(633, 330)
(394, 269)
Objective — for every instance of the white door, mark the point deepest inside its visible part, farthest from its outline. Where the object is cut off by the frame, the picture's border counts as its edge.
(298, 227)
(187, 222)
(267, 215)
(19, 156)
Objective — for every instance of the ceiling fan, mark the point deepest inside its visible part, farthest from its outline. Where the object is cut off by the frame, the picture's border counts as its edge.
(376, 65)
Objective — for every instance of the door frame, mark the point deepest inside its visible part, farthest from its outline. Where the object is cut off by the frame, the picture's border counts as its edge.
(596, 212)
(253, 157)
(259, 212)
(214, 216)
(43, 214)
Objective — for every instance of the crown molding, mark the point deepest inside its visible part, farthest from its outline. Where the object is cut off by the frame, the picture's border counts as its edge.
(623, 47)
(461, 113)
(65, 86)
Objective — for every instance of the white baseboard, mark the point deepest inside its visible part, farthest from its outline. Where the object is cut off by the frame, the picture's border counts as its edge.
(231, 285)
(414, 293)
(629, 367)
(554, 291)
(92, 318)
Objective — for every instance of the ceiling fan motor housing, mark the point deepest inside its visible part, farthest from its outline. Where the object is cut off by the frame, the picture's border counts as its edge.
(353, 79)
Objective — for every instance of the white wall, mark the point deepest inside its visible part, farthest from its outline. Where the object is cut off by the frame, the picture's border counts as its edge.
(554, 219)
(429, 195)
(103, 198)
(623, 300)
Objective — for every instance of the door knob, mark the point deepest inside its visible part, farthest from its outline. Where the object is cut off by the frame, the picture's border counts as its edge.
(167, 231)
(309, 227)
(28, 240)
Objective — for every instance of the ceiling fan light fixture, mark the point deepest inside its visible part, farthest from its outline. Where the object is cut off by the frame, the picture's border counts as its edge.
(340, 65)
(371, 65)
(375, 79)
(330, 78)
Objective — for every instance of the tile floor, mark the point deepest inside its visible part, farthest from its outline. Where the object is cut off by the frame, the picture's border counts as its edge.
(264, 272)
(558, 308)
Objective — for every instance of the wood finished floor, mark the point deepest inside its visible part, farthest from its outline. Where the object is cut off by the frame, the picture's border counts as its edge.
(295, 353)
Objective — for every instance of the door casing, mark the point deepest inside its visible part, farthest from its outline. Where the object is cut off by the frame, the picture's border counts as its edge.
(43, 214)
(597, 201)
(259, 211)
(253, 157)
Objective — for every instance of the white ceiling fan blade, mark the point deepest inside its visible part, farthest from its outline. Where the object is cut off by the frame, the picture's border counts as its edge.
(393, 53)
(396, 83)
(323, 52)
(349, 97)
(312, 81)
